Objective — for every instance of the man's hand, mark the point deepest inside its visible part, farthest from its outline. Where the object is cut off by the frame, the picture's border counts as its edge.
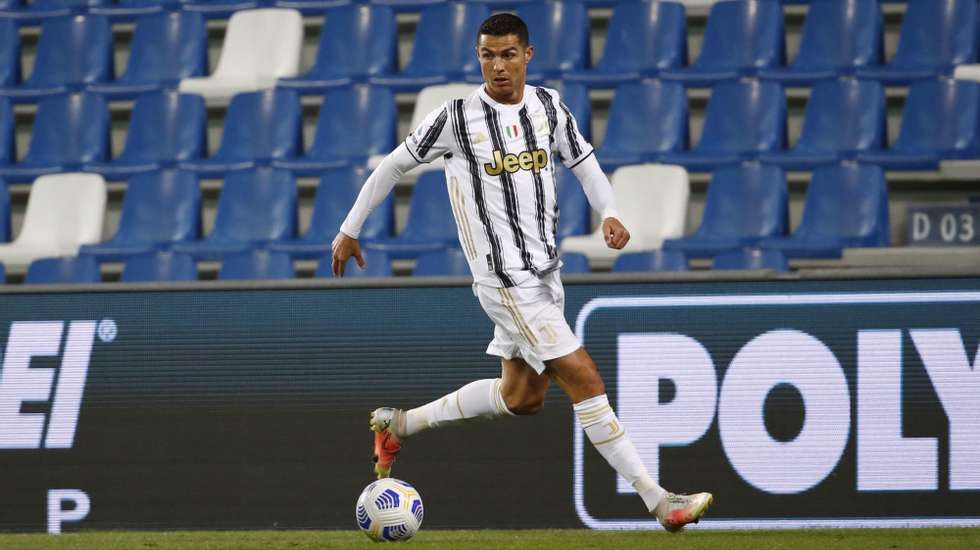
(615, 234)
(343, 248)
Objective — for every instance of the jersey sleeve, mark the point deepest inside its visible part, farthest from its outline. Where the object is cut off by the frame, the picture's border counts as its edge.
(568, 140)
(432, 138)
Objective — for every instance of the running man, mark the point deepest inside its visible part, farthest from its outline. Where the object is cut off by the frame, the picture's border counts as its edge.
(499, 146)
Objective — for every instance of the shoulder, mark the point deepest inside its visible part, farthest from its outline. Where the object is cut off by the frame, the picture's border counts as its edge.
(544, 93)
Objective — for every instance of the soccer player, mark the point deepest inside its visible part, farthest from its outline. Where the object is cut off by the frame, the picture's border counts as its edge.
(499, 145)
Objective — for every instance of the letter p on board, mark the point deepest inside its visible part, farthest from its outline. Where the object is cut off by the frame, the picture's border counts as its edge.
(59, 510)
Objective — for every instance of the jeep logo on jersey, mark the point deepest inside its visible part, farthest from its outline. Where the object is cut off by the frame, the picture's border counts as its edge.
(510, 163)
(20, 383)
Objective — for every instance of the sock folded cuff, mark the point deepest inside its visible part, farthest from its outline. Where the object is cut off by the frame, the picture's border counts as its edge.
(593, 410)
(498, 399)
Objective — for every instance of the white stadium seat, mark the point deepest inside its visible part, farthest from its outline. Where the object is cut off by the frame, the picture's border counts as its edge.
(652, 204)
(260, 47)
(967, 72)
(64, 211)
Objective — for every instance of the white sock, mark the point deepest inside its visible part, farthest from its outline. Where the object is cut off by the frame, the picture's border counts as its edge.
(610, 439)
(477, 399)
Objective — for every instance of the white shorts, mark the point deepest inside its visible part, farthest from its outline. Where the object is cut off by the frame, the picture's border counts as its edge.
(530, 320)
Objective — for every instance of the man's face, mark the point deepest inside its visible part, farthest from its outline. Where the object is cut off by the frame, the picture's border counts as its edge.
(503, 60)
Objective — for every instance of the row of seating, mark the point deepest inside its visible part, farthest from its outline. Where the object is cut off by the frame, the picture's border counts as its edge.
(358, 43)
(648, 122)
(846, 206)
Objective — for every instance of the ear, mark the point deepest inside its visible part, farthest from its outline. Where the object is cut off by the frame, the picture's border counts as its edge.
(528, 54)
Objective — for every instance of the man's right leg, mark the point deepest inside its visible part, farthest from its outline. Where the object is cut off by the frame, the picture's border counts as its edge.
(519, 391)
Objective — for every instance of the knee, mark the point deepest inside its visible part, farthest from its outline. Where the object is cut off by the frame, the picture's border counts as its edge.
(525, 404)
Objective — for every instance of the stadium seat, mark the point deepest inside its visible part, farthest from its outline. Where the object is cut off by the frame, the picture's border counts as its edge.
(575, 96)
(503, 4)
(7, 135)
(164, 129)
(574, 262)
(651, 260)
(72, 51)
(430, 224)
(560, 35)
(739, 39)
(652, 202)
(356, 43)
(3, 274)
(335, 196)
(838, 37)
(160, 265)
(846, 205)
(369, 111)
(64, 211)
(744, 204)
(259, 127)
(643, 39)
(646, 118)
(445, 262)
(255, 207)
(967, 72)
(260, 47)
(256, 264)
(742, 120)
(443, 49)
(408, 5)
(575, 214)
(939, 122)
(69, 130)
(378, 264)
(9, 54)
(166, 48)
(4, 212)
(220, 9)
(936, 36)
(129, 10)
(313, 7)
(63, 269)
(38, 11)
(843, 117)
(159, 208)
(751, 258)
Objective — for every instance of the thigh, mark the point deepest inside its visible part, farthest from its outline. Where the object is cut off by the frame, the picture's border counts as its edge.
(519, 378)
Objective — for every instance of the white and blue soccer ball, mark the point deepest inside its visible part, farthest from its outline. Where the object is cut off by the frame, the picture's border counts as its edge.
(389, 510)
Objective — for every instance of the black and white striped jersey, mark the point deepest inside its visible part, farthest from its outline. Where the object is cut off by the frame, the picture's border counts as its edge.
(499, 162)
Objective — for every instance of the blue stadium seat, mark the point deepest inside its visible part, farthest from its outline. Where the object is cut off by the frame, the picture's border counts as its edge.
(256, 264)
(939, 122)
(378, 265)
(356, 43)
(159, 208)
(259, 127)
(751, 258)
(71, 52)
(69, 130)
(166, 47)
(4, 212)
(742, 120)
(128, 10)
(843, 117)
(644, 38)
(575, 214)
(846, 206)
(740, 38)
(560, 36)
(220, 9)
(407, 5)
(503, 4)
(164, 129)
(646, 118)
(9, 54)
(255, 207)
(575, 96)
(744, 204)
(38, 11)
(445, 262)
(160, 265)
(312, 7)
(335, 196)
(430, 224)
(355, 122)
(7, 135)
(64, 269)
(936, 36)
(443, 50)
(3, 274)
(652, 260)
(838, 37)
(574, 262)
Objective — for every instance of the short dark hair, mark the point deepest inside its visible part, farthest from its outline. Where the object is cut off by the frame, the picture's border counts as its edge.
(503, 24)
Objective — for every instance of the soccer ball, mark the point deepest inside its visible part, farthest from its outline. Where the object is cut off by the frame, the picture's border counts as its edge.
(389, 510)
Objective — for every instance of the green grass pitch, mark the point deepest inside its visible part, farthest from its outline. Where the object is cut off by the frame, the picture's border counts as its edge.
(566, 539)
